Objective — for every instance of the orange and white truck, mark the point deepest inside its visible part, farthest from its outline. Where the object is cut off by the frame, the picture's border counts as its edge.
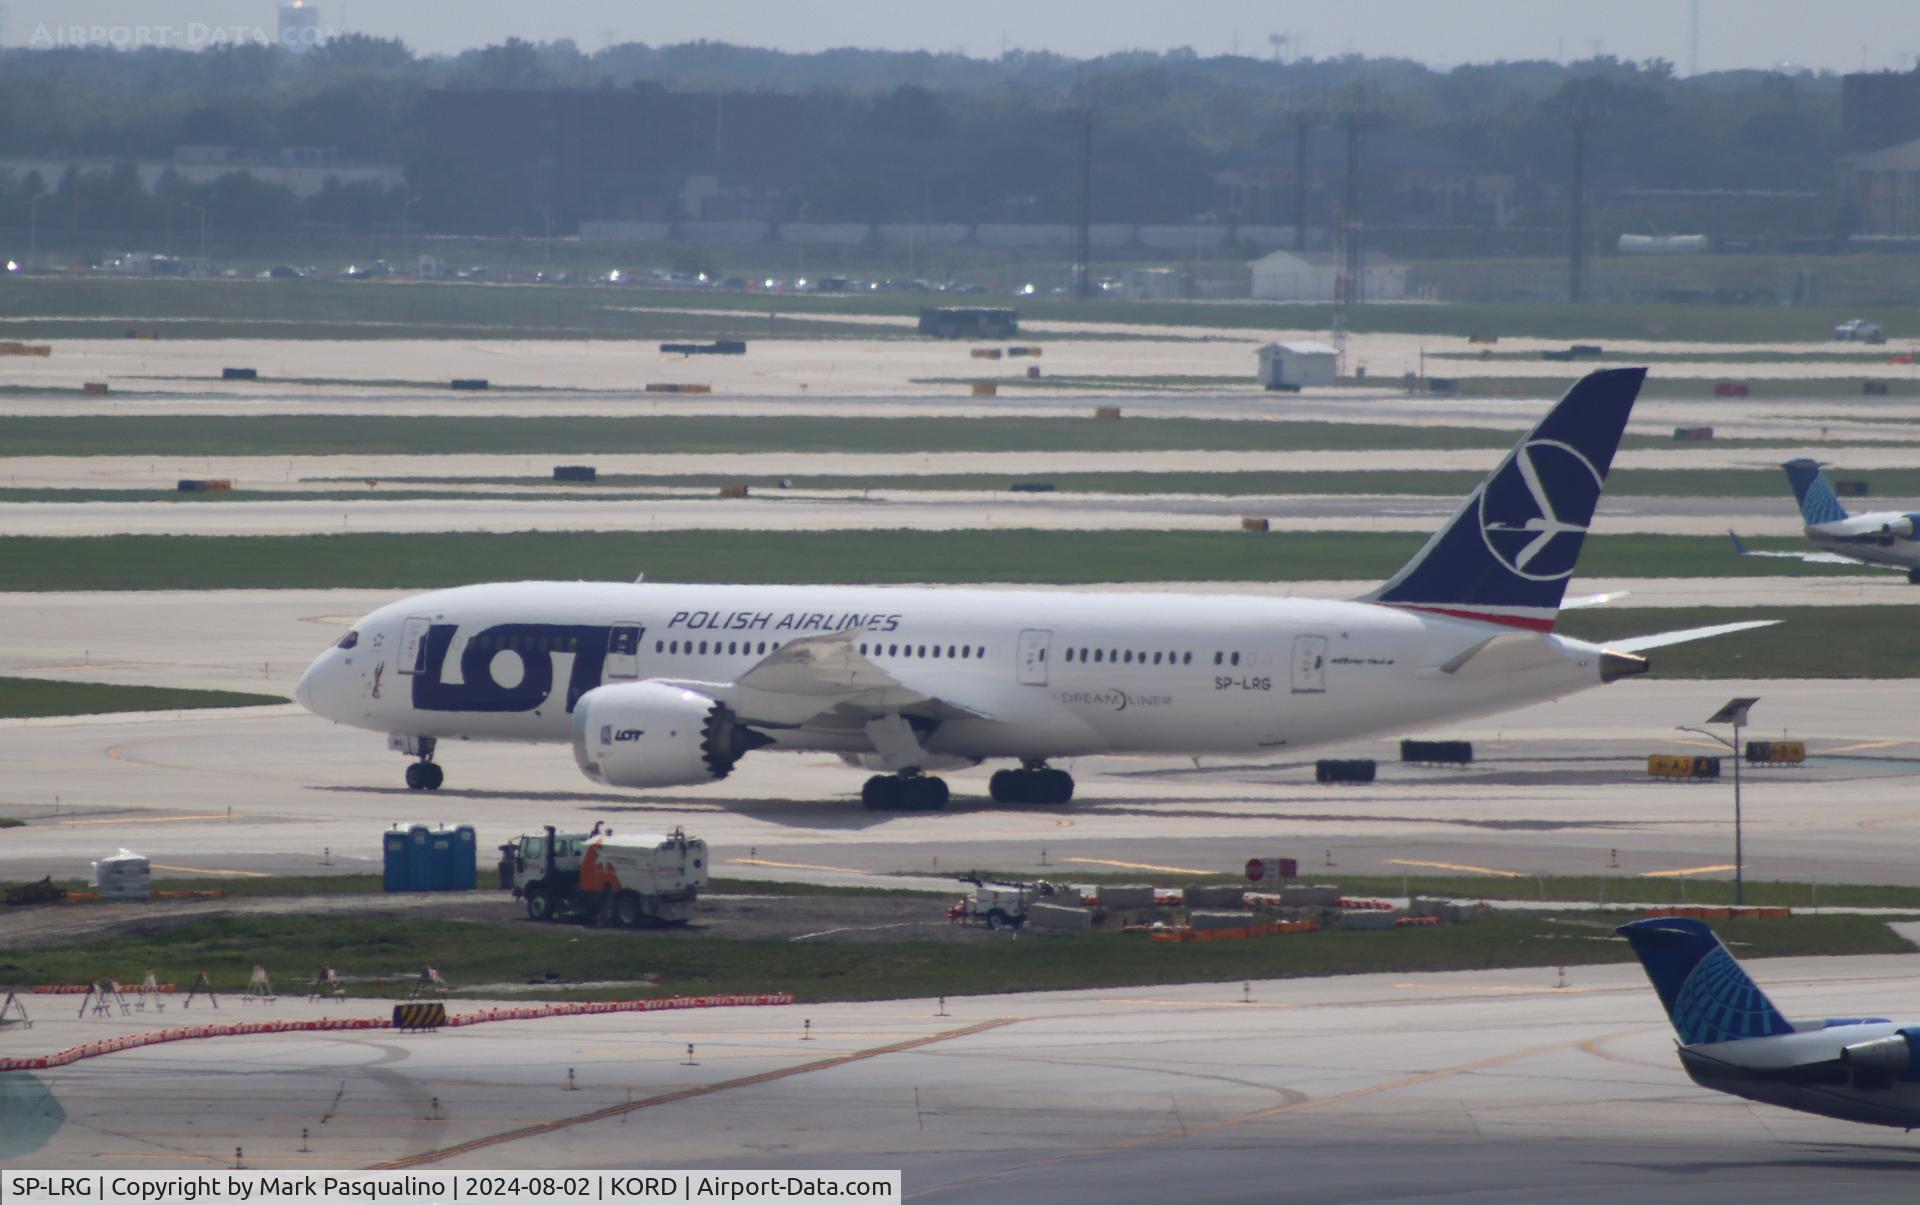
(632, 879)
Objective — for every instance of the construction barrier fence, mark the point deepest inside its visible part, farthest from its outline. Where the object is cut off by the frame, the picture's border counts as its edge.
(534, 1012)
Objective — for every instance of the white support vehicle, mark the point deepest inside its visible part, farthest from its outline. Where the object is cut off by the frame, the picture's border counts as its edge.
(631, 879)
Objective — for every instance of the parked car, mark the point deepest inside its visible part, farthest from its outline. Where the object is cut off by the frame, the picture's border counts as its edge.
(1859, 330)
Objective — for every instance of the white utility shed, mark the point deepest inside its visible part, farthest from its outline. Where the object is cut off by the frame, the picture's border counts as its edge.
(1292, 365)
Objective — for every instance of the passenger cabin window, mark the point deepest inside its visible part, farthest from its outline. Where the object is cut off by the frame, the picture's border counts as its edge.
(1236, 659)
(1219, 657)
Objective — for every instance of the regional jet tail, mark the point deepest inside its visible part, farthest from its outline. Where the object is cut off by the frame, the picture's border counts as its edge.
(1885, 539)
(1733, 1039)
(671, 685)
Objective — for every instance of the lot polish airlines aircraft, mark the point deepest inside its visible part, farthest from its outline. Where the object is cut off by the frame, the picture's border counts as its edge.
(670, 685)
(1885, 538)
(1733, 1040)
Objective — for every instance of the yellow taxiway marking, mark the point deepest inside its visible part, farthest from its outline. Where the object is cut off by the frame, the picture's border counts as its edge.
(221, 874)
(1298, 1106)
(147, 819)
(1494, 990)
(1499, 874)
(1140, 866)
(1865, 745)
(798, 866)
(698, 1090)
(1682, 872)
(1200, 1003)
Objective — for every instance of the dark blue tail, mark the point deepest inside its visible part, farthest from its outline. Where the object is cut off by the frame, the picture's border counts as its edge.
(1507, 553)
(1811, 491)
(1706, 994)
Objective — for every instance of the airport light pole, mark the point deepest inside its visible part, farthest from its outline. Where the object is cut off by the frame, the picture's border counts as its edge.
(1735, 713)
(205, 268)
(406, 245)
(33, 228)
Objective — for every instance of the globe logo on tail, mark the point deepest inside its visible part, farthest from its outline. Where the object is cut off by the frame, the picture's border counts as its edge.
(1535, 510)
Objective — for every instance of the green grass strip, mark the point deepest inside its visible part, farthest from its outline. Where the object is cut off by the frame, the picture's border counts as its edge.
(402, 560)
(693, 964)
(44, 697)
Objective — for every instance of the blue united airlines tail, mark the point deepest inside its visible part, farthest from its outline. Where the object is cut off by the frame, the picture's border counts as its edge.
(1507, 553)
(1811, 491)
(1706, 994)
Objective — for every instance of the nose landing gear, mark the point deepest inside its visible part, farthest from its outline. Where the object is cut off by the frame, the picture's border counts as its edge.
(422, 775)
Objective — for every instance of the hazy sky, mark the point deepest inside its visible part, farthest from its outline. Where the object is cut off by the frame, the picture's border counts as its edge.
(1843, 35)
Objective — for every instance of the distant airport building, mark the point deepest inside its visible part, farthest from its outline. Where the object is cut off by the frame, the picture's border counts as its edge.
(1317, 276)
(1883, 188)
(299, 25)
(1879, 109)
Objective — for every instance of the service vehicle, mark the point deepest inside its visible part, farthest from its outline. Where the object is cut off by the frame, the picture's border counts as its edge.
(631, 879)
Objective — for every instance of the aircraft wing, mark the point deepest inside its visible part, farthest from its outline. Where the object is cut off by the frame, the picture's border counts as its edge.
(1660, 640)
(1812, 558)
(825, 680)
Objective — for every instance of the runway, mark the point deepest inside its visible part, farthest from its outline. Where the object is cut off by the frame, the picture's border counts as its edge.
(886, 510)
(1464, 1086)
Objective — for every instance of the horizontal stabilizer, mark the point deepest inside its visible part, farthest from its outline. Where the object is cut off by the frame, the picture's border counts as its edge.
(1506, 653)
(1593, 600)
(1660, 640)
(1811, 558)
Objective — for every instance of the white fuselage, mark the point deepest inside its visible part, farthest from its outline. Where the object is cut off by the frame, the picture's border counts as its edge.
(1036, 674)
(1879, 538)
(1801, 1071)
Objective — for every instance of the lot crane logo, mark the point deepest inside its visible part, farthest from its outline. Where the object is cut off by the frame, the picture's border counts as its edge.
(1535, 509)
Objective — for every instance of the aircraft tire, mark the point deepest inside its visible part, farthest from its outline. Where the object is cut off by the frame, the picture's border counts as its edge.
(416, 779)
(431, 776)
(1007, 786)
(1056, 786)
(926, 794)
(1913, 577)
(882, 793)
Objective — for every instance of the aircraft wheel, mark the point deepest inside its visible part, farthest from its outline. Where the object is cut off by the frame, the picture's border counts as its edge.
(1056, 786)
(416, 777)
(882, 793)
(431, 776)
(1913, 577)
(926, 794)
(1007, 786)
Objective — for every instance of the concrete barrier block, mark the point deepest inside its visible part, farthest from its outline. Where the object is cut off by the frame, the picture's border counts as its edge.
(1202, 921)
(1126, 895)
(1216, 896)
(1318, 896)
(1055, 916)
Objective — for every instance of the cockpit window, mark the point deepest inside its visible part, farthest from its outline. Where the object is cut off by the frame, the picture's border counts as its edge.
(348, 641)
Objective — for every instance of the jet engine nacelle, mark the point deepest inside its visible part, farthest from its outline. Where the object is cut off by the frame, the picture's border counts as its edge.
(1896, 1056)
(651, 734)
(1881, 527)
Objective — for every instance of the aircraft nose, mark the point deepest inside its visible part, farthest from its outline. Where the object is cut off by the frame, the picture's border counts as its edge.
(303, 691)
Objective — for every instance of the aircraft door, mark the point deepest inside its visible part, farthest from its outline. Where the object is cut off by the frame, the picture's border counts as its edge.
(1033, 656)
(411, 654)
(623, 650)
(1309, 665)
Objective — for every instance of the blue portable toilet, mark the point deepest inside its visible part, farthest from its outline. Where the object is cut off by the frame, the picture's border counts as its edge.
(419, 858)
(393, 848)
(439, 863)
(463, 867)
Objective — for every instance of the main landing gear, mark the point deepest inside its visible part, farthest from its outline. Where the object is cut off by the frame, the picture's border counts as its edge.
(1032, 783)
(422, 775)
(904, 793)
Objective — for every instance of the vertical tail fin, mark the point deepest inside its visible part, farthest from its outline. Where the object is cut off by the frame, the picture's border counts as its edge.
(1811, 491)
(1706, 994)
(1506, 554)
